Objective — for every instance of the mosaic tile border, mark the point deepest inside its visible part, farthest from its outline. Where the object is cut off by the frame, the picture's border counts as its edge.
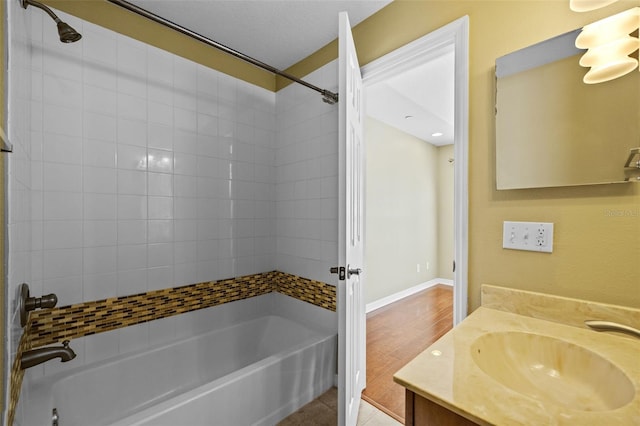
(315, 292)
(17, 374)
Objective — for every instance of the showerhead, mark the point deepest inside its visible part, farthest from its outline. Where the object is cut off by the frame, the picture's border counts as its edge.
(67, 34)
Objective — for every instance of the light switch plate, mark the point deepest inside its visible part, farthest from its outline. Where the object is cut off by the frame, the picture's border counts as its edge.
(530, 236)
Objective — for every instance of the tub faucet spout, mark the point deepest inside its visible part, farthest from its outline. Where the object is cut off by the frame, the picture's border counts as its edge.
(613, 326)
(38, 356)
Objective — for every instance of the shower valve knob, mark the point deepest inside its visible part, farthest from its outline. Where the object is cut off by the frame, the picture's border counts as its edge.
(26, 303)
(46, 301)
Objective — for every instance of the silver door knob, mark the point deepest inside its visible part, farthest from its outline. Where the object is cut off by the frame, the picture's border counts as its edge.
(353, 271)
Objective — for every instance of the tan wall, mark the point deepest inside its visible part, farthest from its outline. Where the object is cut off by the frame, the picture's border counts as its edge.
(445, 212)
(596, 251)
(401, 210)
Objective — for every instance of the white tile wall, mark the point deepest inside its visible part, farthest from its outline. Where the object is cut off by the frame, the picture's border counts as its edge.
(307, 178)
(23, 194)
(134, 170)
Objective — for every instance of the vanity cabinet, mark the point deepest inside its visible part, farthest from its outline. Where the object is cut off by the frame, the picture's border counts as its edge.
(422, 412)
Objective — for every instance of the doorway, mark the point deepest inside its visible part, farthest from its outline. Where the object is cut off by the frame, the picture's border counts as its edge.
(450, 42)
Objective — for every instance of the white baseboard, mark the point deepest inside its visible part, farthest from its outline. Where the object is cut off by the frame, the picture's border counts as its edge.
(405, 293)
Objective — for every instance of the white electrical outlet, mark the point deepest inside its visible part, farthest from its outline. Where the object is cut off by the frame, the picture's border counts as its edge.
(418, 267)
(531, 236)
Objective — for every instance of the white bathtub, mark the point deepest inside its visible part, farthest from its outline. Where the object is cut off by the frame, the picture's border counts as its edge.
(253, 372)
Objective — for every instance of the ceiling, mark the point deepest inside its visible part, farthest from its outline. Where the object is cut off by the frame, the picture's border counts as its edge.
(419, 101)
(278, 32)
(283, 32)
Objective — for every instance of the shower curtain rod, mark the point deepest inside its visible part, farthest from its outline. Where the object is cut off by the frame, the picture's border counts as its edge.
(327, 96)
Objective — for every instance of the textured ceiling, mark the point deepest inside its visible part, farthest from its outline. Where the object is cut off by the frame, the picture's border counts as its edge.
(279, 33)
(283, 32)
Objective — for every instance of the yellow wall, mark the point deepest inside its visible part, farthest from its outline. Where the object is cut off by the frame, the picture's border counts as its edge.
(401, 202)
(596, 252)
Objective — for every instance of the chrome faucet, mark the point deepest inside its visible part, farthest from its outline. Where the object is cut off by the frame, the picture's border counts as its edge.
(38, 356)
(612, 326)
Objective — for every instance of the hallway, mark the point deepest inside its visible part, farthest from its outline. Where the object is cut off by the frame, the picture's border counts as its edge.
(396, 333)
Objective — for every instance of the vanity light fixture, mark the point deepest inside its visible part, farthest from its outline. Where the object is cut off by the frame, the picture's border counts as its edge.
(609, 45)
(587, 5)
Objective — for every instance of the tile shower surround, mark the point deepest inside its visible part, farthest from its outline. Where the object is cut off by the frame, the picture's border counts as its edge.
(149, 171)
(135, 170)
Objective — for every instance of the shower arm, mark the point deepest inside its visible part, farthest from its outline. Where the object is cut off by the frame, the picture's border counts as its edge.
(34, 3)
(65, 31)
(327, 96)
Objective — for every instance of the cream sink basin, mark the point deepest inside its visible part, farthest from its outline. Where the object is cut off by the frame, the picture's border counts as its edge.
(552, 370)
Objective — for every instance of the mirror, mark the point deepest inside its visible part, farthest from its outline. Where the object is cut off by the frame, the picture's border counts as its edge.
(554, 130)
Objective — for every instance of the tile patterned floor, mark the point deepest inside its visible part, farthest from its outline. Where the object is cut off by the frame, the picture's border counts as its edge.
(323, 411)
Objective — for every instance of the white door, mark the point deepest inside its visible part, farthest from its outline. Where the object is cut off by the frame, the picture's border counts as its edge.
(351, 310)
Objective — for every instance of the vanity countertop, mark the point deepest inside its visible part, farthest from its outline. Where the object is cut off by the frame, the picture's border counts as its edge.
(447, 374)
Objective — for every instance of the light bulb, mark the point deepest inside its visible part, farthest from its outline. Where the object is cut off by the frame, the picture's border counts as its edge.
(617, 49)
(609, 29)
(587, 5)
(611, 70)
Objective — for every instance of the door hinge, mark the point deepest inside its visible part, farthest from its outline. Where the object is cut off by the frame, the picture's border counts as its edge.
(340, 270)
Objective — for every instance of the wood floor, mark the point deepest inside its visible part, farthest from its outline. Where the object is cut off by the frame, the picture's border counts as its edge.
(396, 333)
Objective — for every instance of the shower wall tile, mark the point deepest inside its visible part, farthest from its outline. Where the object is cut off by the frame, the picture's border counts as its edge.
(20, 92)
(306, 170)
(133, 170)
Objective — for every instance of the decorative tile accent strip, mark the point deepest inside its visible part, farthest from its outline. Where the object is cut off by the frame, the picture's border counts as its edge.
(315, 292)
(17, 374)
(84, 319)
